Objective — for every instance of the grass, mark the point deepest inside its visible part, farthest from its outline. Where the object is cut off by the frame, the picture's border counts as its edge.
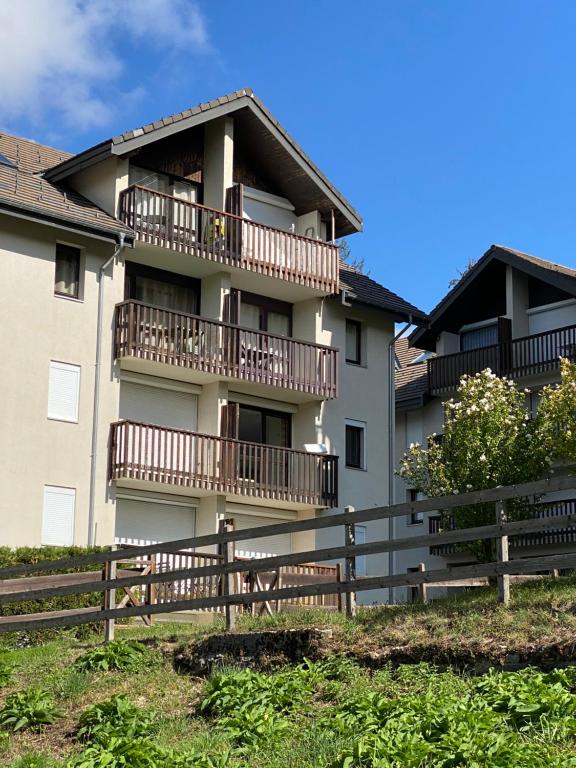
(542, 615)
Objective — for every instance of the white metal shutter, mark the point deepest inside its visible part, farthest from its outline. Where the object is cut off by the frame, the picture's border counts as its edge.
(267, 545)
(153, 405)
(58, 516)
(149, 522)
(63, 391)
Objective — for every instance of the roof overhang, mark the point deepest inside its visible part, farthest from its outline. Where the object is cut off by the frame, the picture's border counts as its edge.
(425, 336)
(126, 144)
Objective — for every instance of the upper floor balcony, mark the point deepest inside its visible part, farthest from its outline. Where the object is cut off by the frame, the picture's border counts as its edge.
(527, 356)
(222, 350)
(211, 464)
(224, 238)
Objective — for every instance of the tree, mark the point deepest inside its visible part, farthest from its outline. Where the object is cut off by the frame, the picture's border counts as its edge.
(359, 264)
(461, 272)
(489, 440)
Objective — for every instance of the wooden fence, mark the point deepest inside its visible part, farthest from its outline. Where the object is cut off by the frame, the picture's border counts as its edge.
(273, 591)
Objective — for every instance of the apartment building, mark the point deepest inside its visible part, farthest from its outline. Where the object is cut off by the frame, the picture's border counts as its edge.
(513, 313)
(185, 344)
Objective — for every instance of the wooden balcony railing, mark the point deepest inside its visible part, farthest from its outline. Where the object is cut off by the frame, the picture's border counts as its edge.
(191, 460)
(554, 537)
(526, 356)
(227, 239)
(152, 333)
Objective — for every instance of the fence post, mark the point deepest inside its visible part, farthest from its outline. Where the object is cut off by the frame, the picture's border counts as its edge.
(338, 581)
(502, 554)
(350, 564)
(228, 551)
(108, 573)
(422, 587)
(151, 589)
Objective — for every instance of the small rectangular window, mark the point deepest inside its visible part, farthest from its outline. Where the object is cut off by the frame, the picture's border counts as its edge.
(353, 342)
(63, 391)
(414, 518)
(67, 272)
(58, 516)
(355, 445)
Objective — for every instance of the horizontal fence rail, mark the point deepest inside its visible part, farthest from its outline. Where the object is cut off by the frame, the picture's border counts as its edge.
(549, 537)
(190, 459)
(161, 335)
(225, 238)
(526, 356)
(262, 583)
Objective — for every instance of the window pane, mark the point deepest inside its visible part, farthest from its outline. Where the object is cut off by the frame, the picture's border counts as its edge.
(277, 432)
(67, 272)
(160, 293)
(353, 336)
(250, 316)
(250, 425)
(278, 323)
(354, 446)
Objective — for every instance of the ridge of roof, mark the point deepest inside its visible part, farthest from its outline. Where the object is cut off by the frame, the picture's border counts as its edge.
(108, 145)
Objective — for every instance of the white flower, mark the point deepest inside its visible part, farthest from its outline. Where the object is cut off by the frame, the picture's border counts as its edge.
(483, 458)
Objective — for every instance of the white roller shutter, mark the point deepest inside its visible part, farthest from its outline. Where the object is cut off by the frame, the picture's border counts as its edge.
(150, 522)
(58, 516)
(153, 405)
(269, 545)
(63, 391)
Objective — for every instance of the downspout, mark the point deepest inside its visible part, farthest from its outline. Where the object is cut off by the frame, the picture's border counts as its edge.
(391, 445)
(96, 403)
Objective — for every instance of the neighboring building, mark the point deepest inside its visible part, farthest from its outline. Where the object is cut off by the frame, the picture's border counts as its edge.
(175, 303)
(510, 312)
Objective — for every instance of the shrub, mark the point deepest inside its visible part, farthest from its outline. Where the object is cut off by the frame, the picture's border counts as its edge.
(28, 709)
(117, 655)
(116, 716)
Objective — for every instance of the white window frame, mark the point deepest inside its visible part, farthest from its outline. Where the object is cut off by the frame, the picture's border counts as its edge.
(64, 491)
(57, 364)
(363, 426)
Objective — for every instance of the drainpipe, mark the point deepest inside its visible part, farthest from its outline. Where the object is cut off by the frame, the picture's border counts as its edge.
(391, 446)
(96, 403)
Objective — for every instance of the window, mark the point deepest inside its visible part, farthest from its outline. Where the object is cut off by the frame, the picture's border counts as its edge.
(353, 342)
(58, 516)
(162, 288)
(67, 272)
(63, 391)
(264, 314)
(476, 338)
(355, 445)
(415, 518)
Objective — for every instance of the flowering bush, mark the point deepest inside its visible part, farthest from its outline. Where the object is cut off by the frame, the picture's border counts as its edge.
(489, 440)
(555, 424)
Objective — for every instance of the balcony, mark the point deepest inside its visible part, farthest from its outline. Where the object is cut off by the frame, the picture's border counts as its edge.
(169, 222)
(526, 356)
(551, 538)
(210, 464)
(145, 332)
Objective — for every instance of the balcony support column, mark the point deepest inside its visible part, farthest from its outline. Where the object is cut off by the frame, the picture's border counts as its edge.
(218, 161)
(517, 301)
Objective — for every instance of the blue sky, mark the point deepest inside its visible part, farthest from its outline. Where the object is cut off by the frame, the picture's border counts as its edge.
(450, 125)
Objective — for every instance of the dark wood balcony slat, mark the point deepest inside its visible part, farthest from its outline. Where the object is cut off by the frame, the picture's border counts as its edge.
(175, 457)
(170, 222)
(527, 356)
(189, 341)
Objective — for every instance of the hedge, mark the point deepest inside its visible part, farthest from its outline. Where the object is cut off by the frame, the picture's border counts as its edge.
(23, 555)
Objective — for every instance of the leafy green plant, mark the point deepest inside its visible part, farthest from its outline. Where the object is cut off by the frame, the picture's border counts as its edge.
(142, 753)
(5, 674)
(117, 655)
(116, 716)
(28, 709)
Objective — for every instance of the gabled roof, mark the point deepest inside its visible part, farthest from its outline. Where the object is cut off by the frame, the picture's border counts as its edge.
(24, 191)
(299, 168)
(363, 290)
(557, 275)
(410, 379)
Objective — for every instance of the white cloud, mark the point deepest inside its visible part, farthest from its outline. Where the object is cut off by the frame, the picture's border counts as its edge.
(58, 57)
